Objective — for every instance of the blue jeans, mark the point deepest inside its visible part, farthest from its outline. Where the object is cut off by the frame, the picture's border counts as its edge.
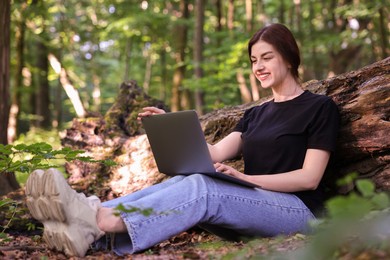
(225, 209)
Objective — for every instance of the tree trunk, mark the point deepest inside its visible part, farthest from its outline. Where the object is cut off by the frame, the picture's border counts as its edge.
(5, 16)
(43, 94)
(249, 15)
(198, 53)
(282, 10)
(18, 80)
(181, 43)
(245, 93)
(127, 59)
(230, 15)
(148, 68)
(384, 39)
(7, 180)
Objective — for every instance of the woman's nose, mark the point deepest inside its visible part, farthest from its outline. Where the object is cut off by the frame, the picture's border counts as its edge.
(258, 66)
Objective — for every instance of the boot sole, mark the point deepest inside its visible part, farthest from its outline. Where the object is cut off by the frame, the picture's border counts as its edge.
(46, 204)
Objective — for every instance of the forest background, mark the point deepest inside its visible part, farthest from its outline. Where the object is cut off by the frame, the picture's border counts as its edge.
(61, 59)
(68, 58)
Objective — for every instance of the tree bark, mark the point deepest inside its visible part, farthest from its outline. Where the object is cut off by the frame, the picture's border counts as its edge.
(5, 16)
(7, 180)
(245, 93)
(18, 77)
(198, 53)
(249, 15)
(181, 43)
(384, 40)
(230, 15)
(42, 95)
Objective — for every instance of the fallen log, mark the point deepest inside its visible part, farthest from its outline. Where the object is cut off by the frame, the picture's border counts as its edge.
(363, 97)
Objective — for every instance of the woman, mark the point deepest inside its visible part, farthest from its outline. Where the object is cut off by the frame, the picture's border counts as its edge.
(286, 144)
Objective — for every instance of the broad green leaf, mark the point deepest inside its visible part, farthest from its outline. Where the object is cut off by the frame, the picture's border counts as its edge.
(365, 187)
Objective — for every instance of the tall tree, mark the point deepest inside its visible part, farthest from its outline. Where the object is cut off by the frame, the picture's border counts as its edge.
(5, 15)
(249, 15)
(40, 101)
(180, 47)
(230, 15)
(384, 39)
(198, 53)
(42, 96)
(7, 180)
(18, 76)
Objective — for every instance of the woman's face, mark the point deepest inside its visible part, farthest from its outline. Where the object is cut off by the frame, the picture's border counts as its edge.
(268, 65)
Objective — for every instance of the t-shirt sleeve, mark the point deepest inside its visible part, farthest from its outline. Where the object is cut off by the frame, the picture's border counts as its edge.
(323, 130)
(242, 124)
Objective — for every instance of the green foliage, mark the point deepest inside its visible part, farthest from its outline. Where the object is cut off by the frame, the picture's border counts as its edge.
(9, 212)
(349, 217)
(101, 43)
(144, 211)
(358, 204)
(27, 158)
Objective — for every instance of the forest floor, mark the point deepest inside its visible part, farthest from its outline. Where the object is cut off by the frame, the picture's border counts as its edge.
(17, 242)
(194, 244)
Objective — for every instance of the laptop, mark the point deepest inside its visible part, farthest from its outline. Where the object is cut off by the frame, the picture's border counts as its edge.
(179, 147)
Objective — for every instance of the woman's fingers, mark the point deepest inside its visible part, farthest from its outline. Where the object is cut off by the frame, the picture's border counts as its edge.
(149, 111)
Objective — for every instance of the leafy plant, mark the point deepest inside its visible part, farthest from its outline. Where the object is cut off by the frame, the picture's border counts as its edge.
(27, 158)
(359, 203)
(351, 222)
(8, 208)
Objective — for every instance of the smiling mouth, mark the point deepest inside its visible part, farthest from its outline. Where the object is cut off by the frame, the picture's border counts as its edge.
(263, 76)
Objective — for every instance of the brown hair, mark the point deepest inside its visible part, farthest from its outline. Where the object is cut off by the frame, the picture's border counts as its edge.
(281, 38)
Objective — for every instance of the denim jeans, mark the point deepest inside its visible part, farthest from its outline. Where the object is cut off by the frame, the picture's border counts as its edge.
(225, 209)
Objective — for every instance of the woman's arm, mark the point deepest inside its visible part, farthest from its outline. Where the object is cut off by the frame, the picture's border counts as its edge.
(227, 148)
(307, 178)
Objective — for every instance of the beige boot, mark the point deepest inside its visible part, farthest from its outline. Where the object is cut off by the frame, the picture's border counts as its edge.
(69, 218)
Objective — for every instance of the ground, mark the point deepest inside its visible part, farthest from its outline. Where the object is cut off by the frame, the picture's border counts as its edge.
(22, 239)
(194, 244)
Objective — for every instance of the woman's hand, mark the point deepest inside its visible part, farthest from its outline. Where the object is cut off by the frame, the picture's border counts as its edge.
(149, 111)
(226, 169)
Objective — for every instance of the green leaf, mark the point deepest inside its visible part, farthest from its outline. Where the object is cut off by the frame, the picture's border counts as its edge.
(348, 207)
(348, 179)
(366, 188)
(5, 149)
(381, 200)
(5, 202)
(20, 147)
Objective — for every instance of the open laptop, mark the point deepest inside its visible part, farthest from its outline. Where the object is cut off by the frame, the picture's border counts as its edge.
(179, 146)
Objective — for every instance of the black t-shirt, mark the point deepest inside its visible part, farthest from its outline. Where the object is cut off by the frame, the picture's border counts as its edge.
(276, 135)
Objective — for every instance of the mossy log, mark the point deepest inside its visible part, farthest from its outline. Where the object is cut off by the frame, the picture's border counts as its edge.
(363, 97)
